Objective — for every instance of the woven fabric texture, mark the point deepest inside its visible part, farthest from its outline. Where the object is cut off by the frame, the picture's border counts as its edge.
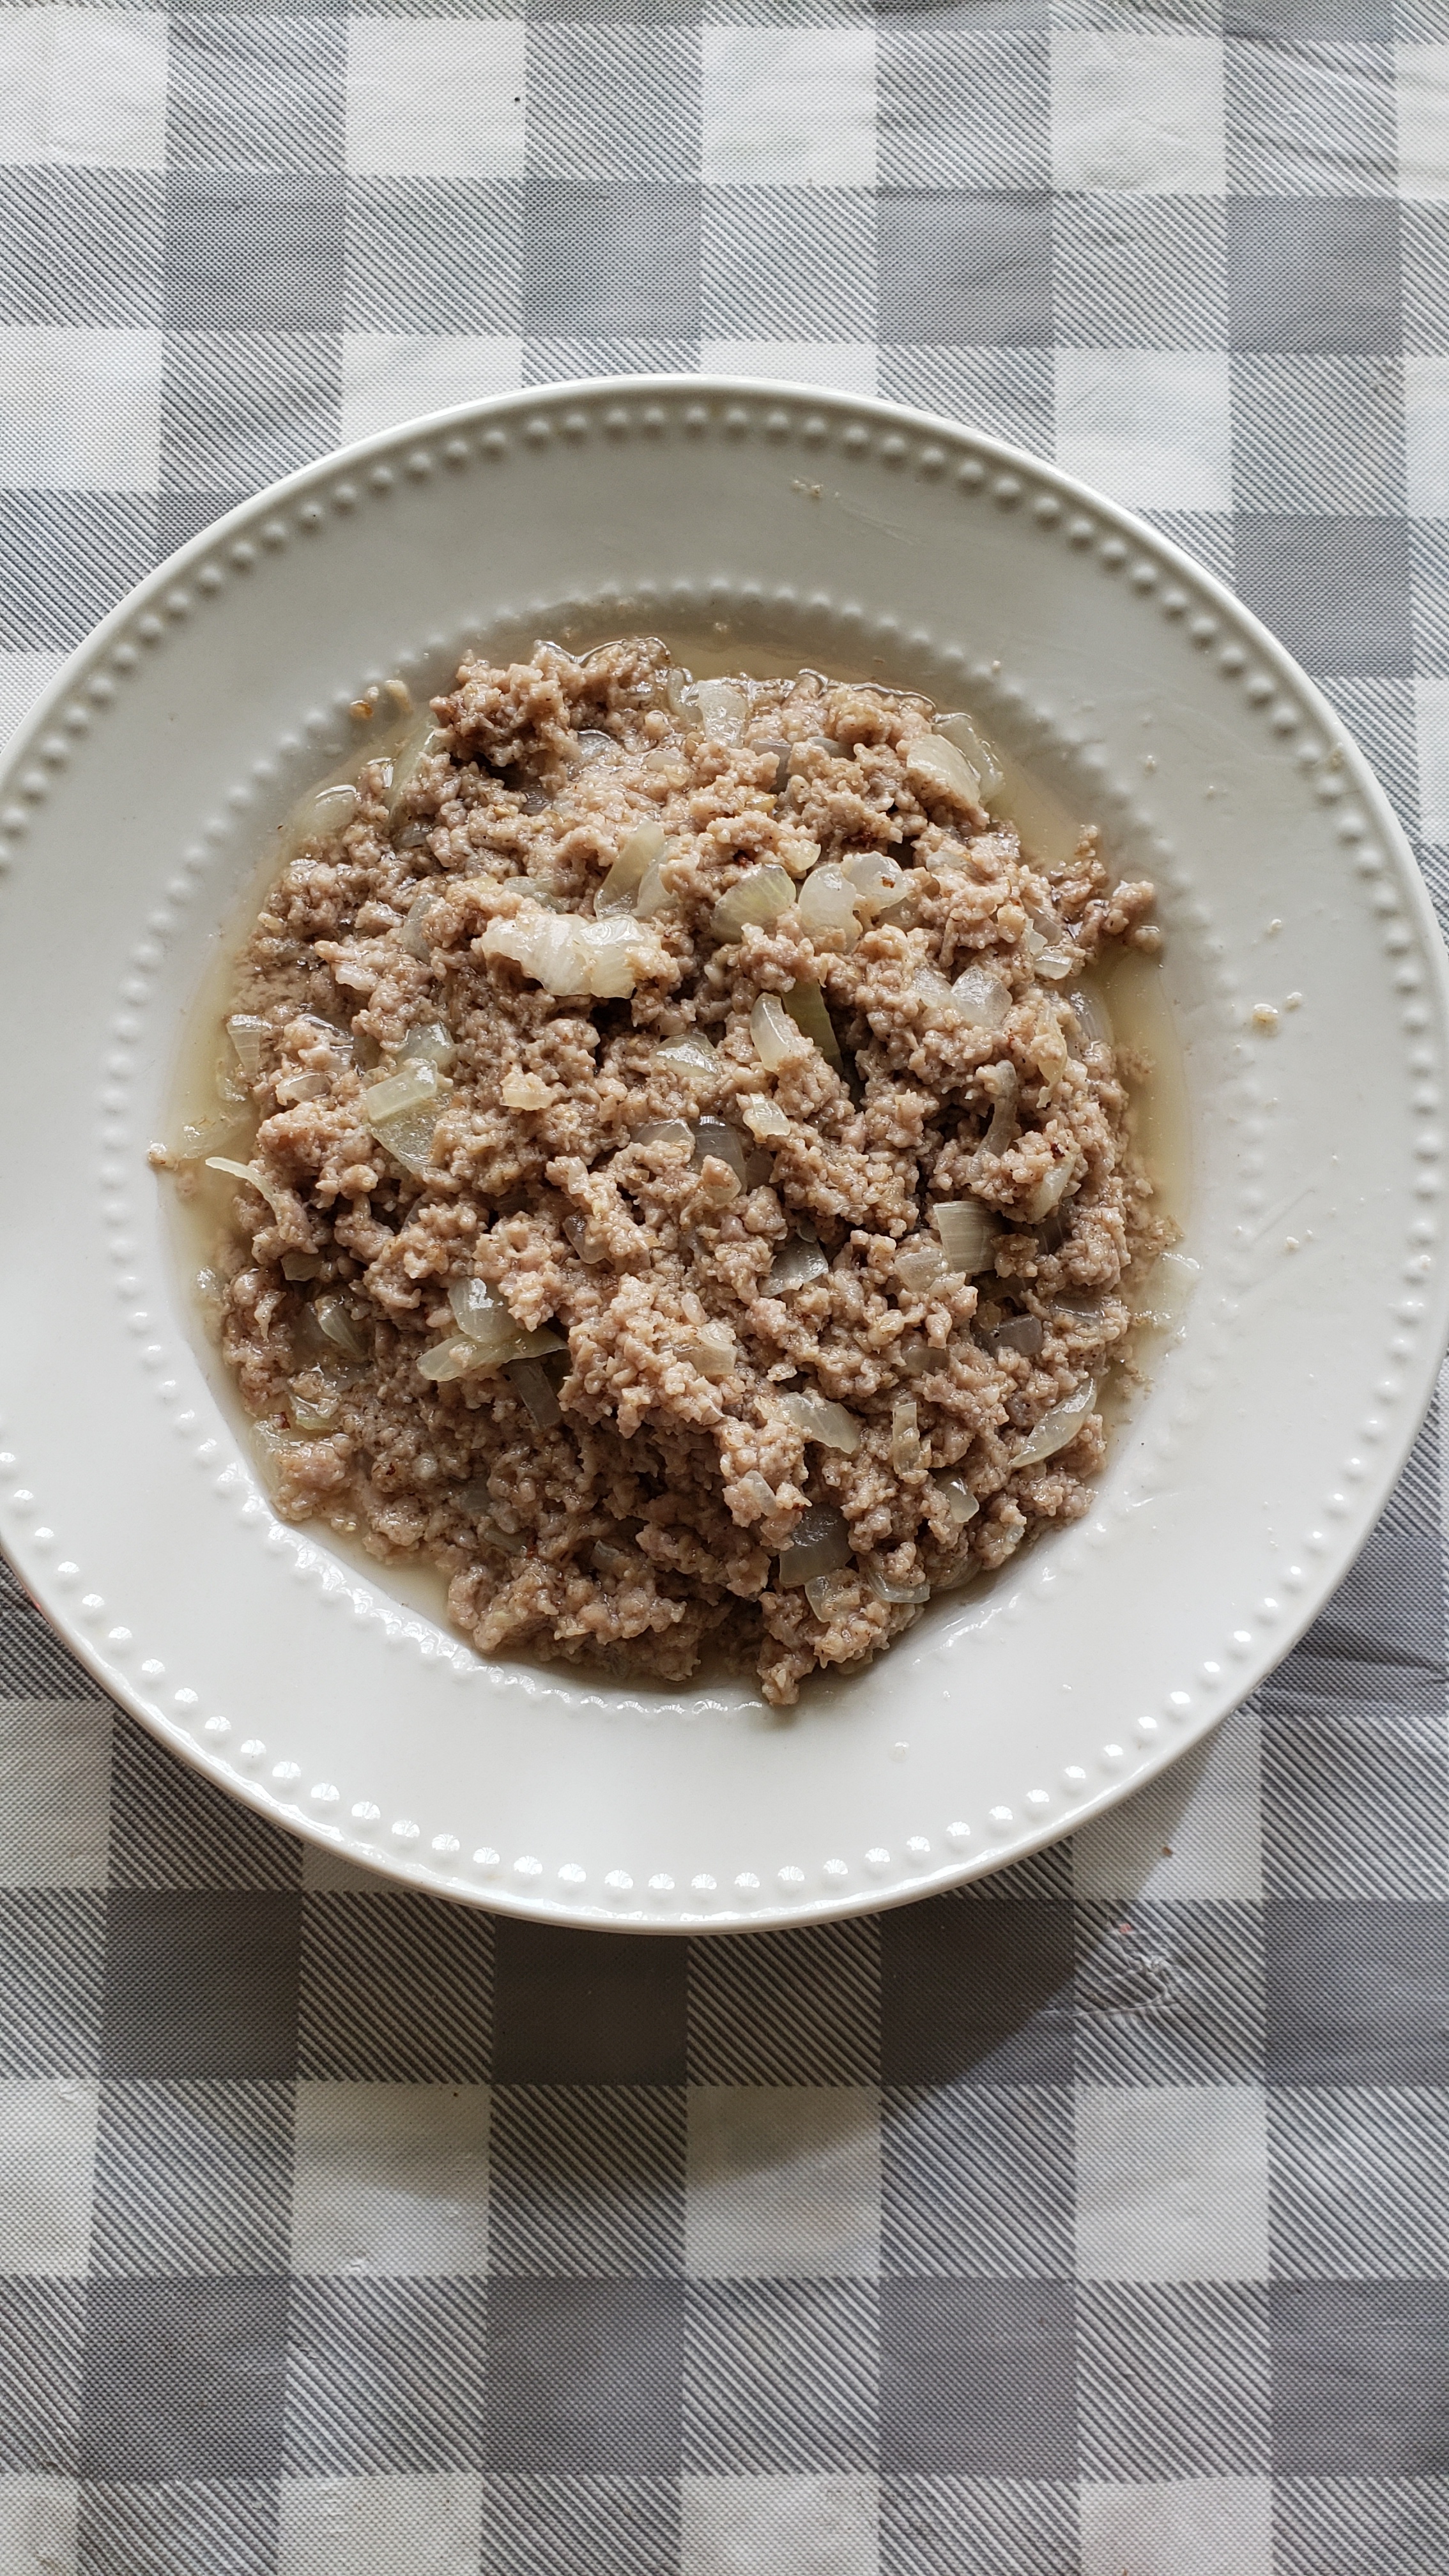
(1092, 2223)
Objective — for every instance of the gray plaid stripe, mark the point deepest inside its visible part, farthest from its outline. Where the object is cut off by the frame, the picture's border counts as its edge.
(786, 2008)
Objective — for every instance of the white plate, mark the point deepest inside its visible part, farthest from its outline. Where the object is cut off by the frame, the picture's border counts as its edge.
(134, 807)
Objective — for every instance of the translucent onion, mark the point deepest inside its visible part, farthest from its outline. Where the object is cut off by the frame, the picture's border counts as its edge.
(905, 1449)
(1056, 1428)
(327, 811)
(450, 1359)
(879, 883)
(1051, 1190)
(533, 1383)
(334, 1320)
(665, 1131)
(722, 707)
(961, 1504)
(271, 1191)
(480, 1312)
(936, 765)
(920, 1264)
(762, 1117)
(416, 938)
(591, 744)
(712, 1137)
(576, 1227)
(713, 1351)
(693, 1056)
(968, 1234)
(816, 1418)
(806, 1005)
(981, 998)
(1003, 1116)
(828, 1594)
(936, 992)
(1022, 1333)
(246, 1033)
(567, 955)
(960, 730)
(520, 1090)
(431, 1042)
(819, 1544)
(297, 1266)
(1092, 1015)
(885, 1590)
(1173, 1280)
(781, 752)
(774, 1033)
(402, 1113)
(633, 860)
(794, 1264)
(464, 1352)
(310, 1413)
(827, 901)
(418, 747)
(654, 895)
(759, 896)
(617, 952)
(1052, 953)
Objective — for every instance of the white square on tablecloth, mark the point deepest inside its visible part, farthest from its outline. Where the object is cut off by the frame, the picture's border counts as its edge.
(1151, 427)
(1177, 2527)
(1138, 110)
(391, 2179)
(387, 2526)
(80, 411)
(1172, 2182)
(812, 2525)
(39, 2520)
(84, 88)
(392, 376)
(1426, 431)
(847, 365)
(22, 677)
(1194, 1832)
(784, 2182)
(1432, 701)
(1423, 119)
(47, 2167)
(789, 107)
(435, 98)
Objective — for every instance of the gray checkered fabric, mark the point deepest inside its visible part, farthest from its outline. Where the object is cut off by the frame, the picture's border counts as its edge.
(1092, 2222)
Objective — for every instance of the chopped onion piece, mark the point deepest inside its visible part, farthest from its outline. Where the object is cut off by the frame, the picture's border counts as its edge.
(956, 1494)
(818, 1544)
(1003, 1116)
(806, 1005)
(968, 1233)
(480, 1312)
(533, 1383)
(905, 1449)
(960, 730)
(759, 896)
(334, 1320)
(762, 1117)
(713, 1351)
(936, 765)
(665, 1131)
(781, 751)
(271, 1191)
(1056, 1428)
(1173, 1279)
(431, 1042)
(827, 901)
(920, 1264)
(450, 1359)
(520, 1090)
(692, 1055)
(712, 1137)
(981, 998)
(654, 895)
(567, 955)
(815, 1418)
(418, 747)
(246, 1033)
(828, 1594)
(1023, 1333)
(1092, 1015)
(885, 1590)
(935, 992)
(309, 1413)
(414, 1086)
(591, 744)
(576, 1227)
(327, 811)
(635, 857)
(774, 1033)
(1050, 1191)
(761, 1494)
(616, 950)
(794, 1264)
(297, 1266)
(879, 883)
(416, 938)
(723, 709)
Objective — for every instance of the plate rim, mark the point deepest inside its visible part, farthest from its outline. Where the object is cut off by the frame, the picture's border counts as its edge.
(1420, 1375)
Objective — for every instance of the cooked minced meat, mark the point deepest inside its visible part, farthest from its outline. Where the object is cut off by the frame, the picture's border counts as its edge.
(693, 1201)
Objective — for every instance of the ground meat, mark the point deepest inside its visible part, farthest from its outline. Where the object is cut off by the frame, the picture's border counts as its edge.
(698, 1236)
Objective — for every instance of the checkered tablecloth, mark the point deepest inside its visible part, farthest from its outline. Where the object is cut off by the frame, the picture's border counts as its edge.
(1093, 2223)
